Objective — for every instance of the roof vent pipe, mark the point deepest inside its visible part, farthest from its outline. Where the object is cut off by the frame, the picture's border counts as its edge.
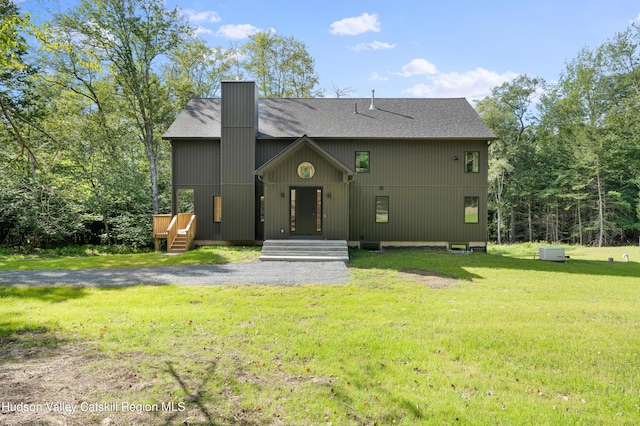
(373, 106)
(355, 109)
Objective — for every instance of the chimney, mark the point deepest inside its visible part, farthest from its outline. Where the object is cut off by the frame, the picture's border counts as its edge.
(239, 127)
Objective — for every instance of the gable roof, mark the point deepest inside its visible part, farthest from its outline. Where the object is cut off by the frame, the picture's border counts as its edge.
(304, 141)
(417, 118)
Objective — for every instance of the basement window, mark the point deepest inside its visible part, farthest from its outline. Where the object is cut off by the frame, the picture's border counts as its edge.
(362, 161)
(382, 209)
(217, 208)
(471, 209)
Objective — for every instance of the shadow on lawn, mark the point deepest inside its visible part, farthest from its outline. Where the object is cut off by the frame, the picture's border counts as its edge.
(457, 265)
(195, 397)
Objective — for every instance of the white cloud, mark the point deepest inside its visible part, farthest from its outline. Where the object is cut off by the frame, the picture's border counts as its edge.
(375, 45)
(472, 84)
(356, 25)
(417, 67)
(237, 32)
(203, 16)
(201, 30)
(377, 77)
(637, 20)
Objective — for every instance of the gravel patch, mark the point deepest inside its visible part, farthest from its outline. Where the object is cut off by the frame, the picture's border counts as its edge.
(288, 273)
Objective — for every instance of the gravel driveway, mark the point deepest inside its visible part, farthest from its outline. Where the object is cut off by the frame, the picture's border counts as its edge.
(291, 273)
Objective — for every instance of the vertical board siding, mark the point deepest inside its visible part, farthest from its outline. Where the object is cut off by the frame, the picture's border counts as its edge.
(238, 151)
(239, 104)
(426, 186)
(196, 162)
(425, 183)
(197, 167)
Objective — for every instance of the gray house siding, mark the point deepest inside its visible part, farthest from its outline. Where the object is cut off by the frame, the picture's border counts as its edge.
(278, 184)
(416, 149)
(239, 128)
(196, 166)
(424, 181)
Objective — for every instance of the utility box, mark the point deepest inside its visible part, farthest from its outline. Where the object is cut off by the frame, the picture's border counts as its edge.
(553, 254)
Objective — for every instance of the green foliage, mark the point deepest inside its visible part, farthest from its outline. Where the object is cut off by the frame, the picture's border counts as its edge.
(281, 66)
(567, 173)
(37, 215)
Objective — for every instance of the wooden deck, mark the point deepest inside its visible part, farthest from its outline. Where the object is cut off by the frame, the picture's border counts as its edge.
(178, 230)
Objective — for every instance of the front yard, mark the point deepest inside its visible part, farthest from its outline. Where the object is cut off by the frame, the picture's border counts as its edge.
(415, 337)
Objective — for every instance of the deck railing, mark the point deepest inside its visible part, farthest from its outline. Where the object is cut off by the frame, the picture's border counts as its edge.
(190, 230)
(167, 226)
(172, 231)
(160, 225)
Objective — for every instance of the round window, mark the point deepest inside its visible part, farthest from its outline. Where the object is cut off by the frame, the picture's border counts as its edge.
(306, 170)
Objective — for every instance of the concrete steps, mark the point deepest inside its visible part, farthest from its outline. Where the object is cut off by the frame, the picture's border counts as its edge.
(305, 250)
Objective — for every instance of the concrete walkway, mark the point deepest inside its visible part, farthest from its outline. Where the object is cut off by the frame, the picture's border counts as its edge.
(289, 273)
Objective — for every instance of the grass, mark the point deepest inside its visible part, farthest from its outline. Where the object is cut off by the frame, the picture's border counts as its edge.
(88, 257)
(511, 340)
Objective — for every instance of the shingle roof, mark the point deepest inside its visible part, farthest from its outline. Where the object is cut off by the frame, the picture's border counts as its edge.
(451, 118)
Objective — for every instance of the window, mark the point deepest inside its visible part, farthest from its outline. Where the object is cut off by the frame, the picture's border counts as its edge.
(217, 208)
(262, 208)
(471, 209)
(382, 209)
(472, 161)
(293, 210)
(306, 170)
(186, 199)
(362, 161)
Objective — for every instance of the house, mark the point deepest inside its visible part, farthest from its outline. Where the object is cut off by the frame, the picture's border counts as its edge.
(382, 172)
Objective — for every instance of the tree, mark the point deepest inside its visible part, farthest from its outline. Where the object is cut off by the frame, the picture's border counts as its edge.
(129, 37)
(14, 74)
(196, 70)
(509, 113)
(281, 66)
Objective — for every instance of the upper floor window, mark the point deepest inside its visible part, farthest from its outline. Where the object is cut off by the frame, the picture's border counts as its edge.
(472, 161)
(362, 161)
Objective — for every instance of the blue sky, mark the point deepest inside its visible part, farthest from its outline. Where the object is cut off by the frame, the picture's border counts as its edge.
(419, 48)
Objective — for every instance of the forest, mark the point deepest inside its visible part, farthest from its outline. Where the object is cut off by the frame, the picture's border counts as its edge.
(86, 97)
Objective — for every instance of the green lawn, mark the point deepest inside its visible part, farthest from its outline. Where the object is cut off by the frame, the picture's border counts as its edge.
(94, 258)
(511, 340)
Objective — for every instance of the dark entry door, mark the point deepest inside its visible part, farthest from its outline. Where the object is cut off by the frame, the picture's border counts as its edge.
(306, 211)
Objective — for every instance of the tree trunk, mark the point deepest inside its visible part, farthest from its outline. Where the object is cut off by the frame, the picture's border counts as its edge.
(153, 170)
(579, 223)
(499, 213)
(529, 221)
(512, 226)
(600, 210)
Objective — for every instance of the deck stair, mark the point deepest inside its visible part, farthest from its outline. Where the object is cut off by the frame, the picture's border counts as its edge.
(178, 230)
(305, 250)
(179, 244)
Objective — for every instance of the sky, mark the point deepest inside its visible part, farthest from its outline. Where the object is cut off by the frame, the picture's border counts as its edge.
(413, 48)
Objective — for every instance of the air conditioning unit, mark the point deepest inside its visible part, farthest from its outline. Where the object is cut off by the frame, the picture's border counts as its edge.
(553, 254)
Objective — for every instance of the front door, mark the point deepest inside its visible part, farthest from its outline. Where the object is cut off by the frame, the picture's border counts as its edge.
(306, 211)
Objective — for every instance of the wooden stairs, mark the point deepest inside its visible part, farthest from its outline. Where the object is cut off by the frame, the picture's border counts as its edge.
(179, 244)
(178, 230)
(305, 250)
